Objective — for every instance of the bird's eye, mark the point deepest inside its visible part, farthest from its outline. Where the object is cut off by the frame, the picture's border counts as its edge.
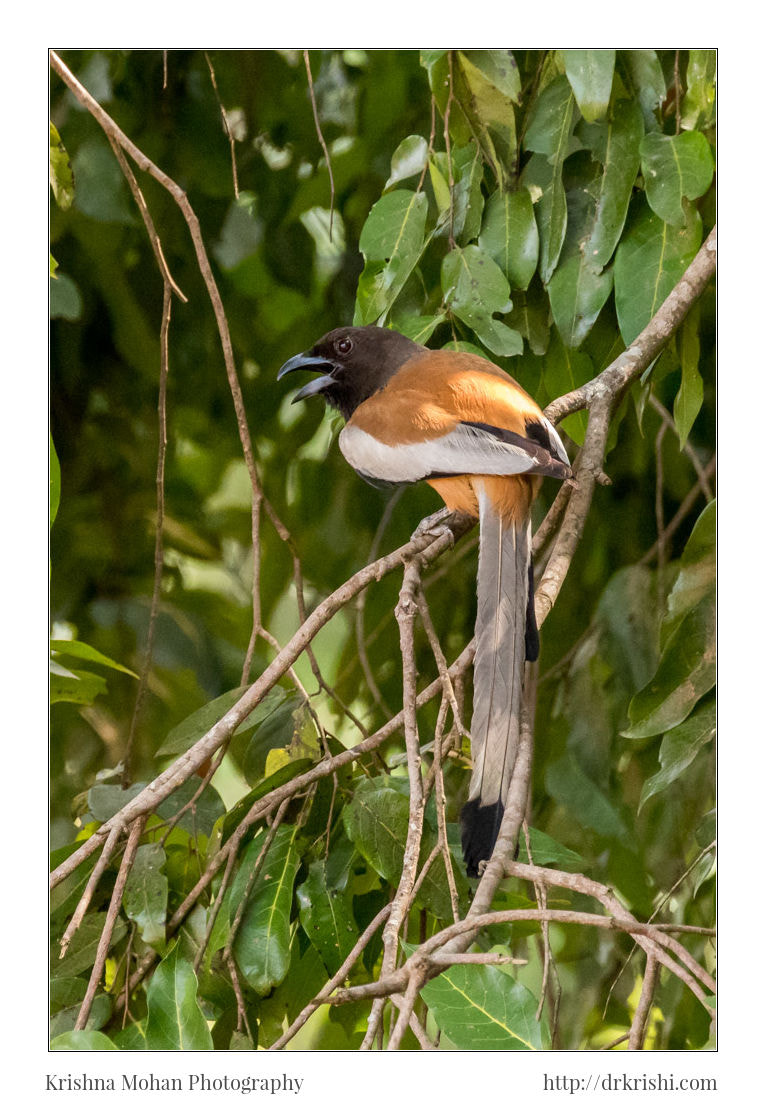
(344, 345)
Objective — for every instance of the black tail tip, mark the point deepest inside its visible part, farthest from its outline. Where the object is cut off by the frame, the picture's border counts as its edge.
(479, 826)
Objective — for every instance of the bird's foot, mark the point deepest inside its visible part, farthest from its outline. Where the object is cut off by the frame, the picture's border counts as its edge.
(434, 525)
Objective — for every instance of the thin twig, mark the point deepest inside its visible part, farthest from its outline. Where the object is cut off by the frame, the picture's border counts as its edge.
(159, 554)
(681, 514)
(336, 980)
(85, 899)
(641, 1016)
(405, 615)
(105, 939)
(225, 121)
(687, 448)
(320, 136)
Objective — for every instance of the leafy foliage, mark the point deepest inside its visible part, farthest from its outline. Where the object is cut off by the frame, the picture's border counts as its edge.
(541, 222)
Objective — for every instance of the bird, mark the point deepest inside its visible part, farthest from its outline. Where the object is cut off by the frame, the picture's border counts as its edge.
(460, 423)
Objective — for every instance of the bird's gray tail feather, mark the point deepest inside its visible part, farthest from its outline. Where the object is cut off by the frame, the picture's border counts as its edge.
(506, 636)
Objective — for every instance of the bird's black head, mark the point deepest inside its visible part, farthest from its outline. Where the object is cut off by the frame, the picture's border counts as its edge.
(354, 364)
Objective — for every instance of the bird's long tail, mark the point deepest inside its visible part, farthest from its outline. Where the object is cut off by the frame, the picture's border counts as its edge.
(506, 635)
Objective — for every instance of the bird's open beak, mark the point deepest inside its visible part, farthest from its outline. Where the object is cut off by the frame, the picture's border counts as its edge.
(307, 361)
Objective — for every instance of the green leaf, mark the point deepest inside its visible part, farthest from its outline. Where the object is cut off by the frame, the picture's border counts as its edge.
(466, 169)
(76, 649)
(549, 130)
(193, 728)
(530, 316)
(376, 822)
(685, 672)
(650, 260)
(498, 68)
(578, 293)
(418, 328)
(480, 1007)
(616, 144)
(509, 235)
(566, 781)
(106, 799)
(547, 852)
(145, 899)
(284, 774)
(486, 84)
(289, 730)
(60, 171)
(648, 81)
(691, 394)
(132, 1038)
(474, 289)
(66, 992)
(81, 953)
(78, 687)
(65, 300)
(680, 747)
(175, 1020)
(326, 915)
(54, 481)
(674, 167)
(698, 104)
(391, 242)
(696, 578)
(82, 1040)
(409, 158)
(199, 818)
(102, 192)
(262, 946)
(549, 134)
(564, 369)
(590, 74)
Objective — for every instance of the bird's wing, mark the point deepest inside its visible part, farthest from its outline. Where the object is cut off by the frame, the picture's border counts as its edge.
(468, 448)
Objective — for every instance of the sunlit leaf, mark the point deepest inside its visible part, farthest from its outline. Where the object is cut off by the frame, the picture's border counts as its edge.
(79, 687)
(82, 1040)
(698, 103)
(60, 170)
(409, 158)
(75, 649)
